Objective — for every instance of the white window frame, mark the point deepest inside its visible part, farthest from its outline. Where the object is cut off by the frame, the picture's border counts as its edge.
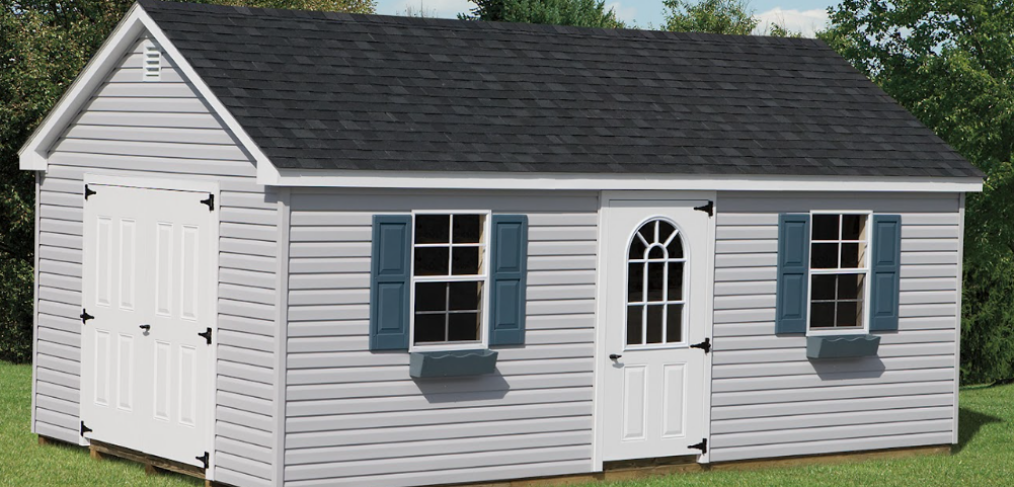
(685, 311)
(865, 269)
(485, 258)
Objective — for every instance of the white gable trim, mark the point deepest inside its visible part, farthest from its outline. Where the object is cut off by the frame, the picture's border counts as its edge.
(610, 182)
(35, 153)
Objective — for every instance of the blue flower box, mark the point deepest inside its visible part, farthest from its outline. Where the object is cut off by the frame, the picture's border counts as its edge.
(842, 346)
(458, 363)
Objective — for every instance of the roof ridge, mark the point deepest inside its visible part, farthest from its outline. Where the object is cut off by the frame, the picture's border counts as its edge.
(457, 24)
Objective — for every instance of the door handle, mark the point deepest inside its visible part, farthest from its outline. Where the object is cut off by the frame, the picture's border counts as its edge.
(614, 356)
(146, 328)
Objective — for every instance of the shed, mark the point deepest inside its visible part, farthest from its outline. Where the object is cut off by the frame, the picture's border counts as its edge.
(303, 249)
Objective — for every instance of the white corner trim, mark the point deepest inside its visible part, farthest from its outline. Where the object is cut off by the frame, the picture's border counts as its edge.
(956, 437)
(607, 182)
(35, 153)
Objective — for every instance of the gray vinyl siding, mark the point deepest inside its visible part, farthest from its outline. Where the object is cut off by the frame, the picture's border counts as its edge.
(152, 130)
(355, 417)
(768, 400)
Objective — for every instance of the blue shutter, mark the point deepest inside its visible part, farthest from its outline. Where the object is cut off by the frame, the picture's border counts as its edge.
(793, 273)
(390, 282)
(885, 272)
(508, 270)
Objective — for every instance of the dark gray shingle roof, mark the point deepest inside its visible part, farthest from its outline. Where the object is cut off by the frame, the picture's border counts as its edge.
(339, 91)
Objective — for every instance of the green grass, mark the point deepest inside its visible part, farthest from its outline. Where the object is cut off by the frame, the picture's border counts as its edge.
(23, 462)
(985, 456)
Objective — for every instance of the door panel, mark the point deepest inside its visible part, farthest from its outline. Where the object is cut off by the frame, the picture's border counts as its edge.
(656, 266)
(125, 372)
(128, 264)
(674, 395)
(149, 274)
(634, 402)
(103, 372)
(183, 308)
(109, 356)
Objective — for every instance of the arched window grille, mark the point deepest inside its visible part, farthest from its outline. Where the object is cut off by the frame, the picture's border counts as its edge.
(656, 268)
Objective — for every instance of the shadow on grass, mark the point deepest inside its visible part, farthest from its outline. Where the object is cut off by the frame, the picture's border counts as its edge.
(969, 424)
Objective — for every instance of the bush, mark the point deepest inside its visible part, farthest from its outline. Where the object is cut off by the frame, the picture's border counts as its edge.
(16, 289)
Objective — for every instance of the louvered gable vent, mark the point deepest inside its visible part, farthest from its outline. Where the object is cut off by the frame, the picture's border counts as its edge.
(152, 61)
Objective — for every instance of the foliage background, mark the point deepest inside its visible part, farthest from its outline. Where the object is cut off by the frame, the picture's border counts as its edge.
(949, 62)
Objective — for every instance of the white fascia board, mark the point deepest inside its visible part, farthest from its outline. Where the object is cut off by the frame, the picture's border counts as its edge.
(35, 152)
(611, 182)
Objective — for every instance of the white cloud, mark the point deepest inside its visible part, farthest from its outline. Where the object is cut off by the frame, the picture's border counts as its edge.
(448, 9)
(625, 14)
(806, 21)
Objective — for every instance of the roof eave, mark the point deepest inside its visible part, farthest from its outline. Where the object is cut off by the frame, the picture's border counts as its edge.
(609, 182)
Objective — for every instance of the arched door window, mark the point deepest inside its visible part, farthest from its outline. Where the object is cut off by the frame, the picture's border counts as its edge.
(655, 276)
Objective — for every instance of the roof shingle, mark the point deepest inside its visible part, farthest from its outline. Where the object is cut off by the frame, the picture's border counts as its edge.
(340, 91)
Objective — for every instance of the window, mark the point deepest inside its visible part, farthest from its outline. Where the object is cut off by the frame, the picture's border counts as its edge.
(655, 274)
(839, 271)
(449, 278)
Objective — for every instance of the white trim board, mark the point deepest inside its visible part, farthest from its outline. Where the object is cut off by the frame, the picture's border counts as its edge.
(34, 155)
(609, 182)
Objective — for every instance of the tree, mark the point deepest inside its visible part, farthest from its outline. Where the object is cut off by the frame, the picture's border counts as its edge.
(43, 46)
(951, 63)
(714, 16)
(580, 13)
(349, 6)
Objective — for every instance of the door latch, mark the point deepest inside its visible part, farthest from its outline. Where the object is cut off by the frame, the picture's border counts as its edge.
(614, 356)
(146, 328)
(705, 345)
(702, 446)
(206, 335)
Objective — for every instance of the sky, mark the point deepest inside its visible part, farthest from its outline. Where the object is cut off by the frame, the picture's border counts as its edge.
(806, 16)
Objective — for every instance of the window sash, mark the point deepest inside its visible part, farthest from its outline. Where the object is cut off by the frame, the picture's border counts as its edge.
(482, 278)
(644, 303)
(863, 270)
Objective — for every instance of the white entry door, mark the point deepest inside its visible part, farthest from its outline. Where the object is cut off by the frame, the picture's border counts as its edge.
(148, 280)
(656, 276)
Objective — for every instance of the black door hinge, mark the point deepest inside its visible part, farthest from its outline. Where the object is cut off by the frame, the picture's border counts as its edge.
(708, 208)
(206, 335)
(210, 201)
(88, 192)
(702, 446)
(705, 345)
(85, 429)
(85, 316)
(204, 459)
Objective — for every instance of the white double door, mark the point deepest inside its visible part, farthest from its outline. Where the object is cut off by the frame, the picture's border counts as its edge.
(657, 262)
(147, 284)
